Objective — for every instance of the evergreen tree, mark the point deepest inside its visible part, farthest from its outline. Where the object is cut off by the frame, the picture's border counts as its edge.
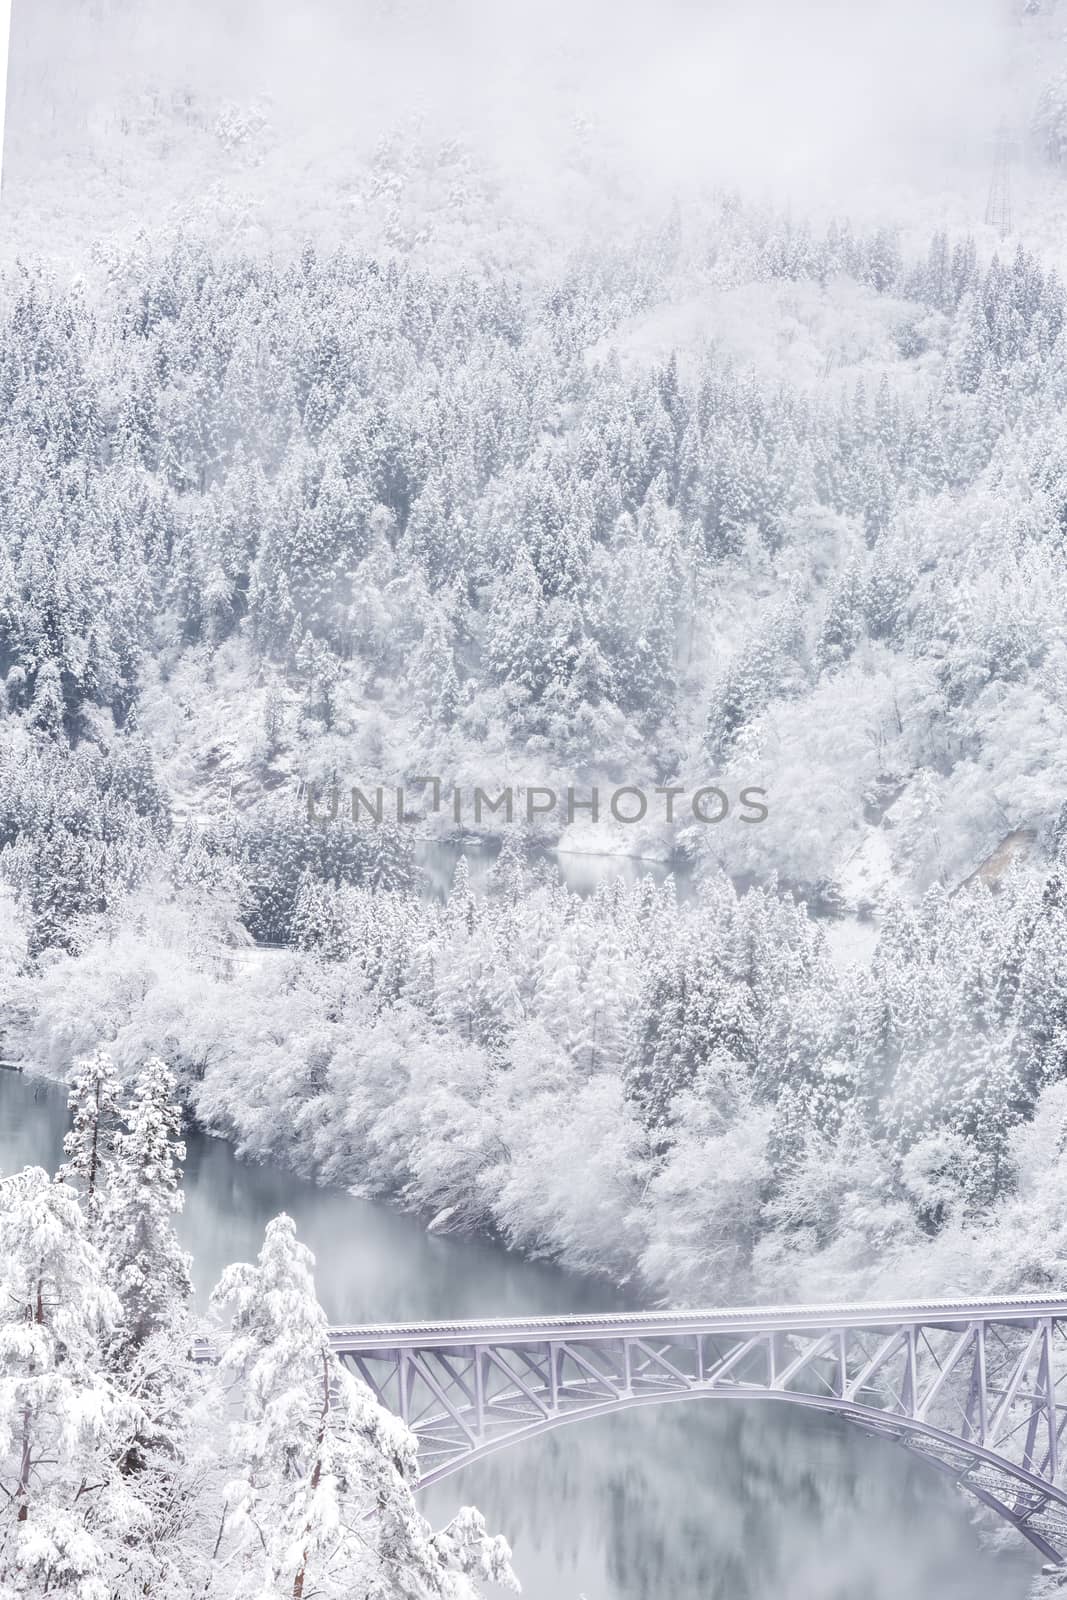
(94, 1104)
(62, 1419)
(148, 1269)
(48, 710)
(320, 1494)
(841, 625)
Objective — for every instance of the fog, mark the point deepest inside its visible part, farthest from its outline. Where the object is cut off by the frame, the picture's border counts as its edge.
(807, 101)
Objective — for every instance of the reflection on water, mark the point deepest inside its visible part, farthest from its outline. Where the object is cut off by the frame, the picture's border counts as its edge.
(749, 1502)
(372, 1264)
(690, 1501)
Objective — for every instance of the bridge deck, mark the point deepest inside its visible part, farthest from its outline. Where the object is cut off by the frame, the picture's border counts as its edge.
(977, 1387)
(784, 1319)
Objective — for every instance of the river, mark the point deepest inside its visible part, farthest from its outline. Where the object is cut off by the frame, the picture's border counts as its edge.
(683, 1502)
(582, 874)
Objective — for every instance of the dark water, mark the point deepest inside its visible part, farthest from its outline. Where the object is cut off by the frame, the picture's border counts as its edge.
(687, 1501)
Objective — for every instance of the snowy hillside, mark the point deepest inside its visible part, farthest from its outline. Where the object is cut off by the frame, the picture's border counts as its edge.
(659, 404)
(628, 430)
(816, 548)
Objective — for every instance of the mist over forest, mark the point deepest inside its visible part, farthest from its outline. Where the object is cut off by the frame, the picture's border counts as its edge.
(571, 120)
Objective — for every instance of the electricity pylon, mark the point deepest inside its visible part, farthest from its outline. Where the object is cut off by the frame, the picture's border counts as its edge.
(998, 206)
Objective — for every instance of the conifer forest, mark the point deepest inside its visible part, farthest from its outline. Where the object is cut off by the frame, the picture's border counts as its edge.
(533, 692)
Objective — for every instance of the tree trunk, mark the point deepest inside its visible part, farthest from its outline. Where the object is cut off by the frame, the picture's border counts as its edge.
(316, 1471)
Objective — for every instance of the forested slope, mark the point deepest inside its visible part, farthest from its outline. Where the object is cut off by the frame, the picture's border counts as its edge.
(731, 498)
(411, 524)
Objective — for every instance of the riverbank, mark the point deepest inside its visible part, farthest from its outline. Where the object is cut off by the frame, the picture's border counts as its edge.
(656, 1090)
(657, 1505)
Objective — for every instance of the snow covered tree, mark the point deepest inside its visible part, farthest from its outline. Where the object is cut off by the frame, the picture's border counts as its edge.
(319, 1498)
(1050, 120)
(147, 1267)
(507, 875)
(318, 921)
(688, 1010)
(48, 709)
(432, 680)
(389, 857)
(768, 665)
(69, 1520)
(94, 1104)
(324, 672)
(705, 1199)
(841, 626)
(475, 993)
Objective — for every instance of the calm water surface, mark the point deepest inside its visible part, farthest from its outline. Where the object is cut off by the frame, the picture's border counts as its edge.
(687, 1501)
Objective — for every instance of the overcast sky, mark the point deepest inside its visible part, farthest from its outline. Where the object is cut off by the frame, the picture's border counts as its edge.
(793, 94)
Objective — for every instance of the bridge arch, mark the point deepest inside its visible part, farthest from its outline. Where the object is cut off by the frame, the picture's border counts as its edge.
(976, 1389)
(865, 1418)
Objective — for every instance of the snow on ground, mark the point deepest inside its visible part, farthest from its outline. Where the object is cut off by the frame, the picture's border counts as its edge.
(812, 335)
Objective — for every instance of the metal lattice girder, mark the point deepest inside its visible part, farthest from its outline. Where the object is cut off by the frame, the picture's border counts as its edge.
(978, 1389)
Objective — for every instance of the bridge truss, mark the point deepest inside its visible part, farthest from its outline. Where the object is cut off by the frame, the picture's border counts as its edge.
(977, 1389)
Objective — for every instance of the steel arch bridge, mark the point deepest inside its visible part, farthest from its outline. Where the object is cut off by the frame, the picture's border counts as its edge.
(978, 1389)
